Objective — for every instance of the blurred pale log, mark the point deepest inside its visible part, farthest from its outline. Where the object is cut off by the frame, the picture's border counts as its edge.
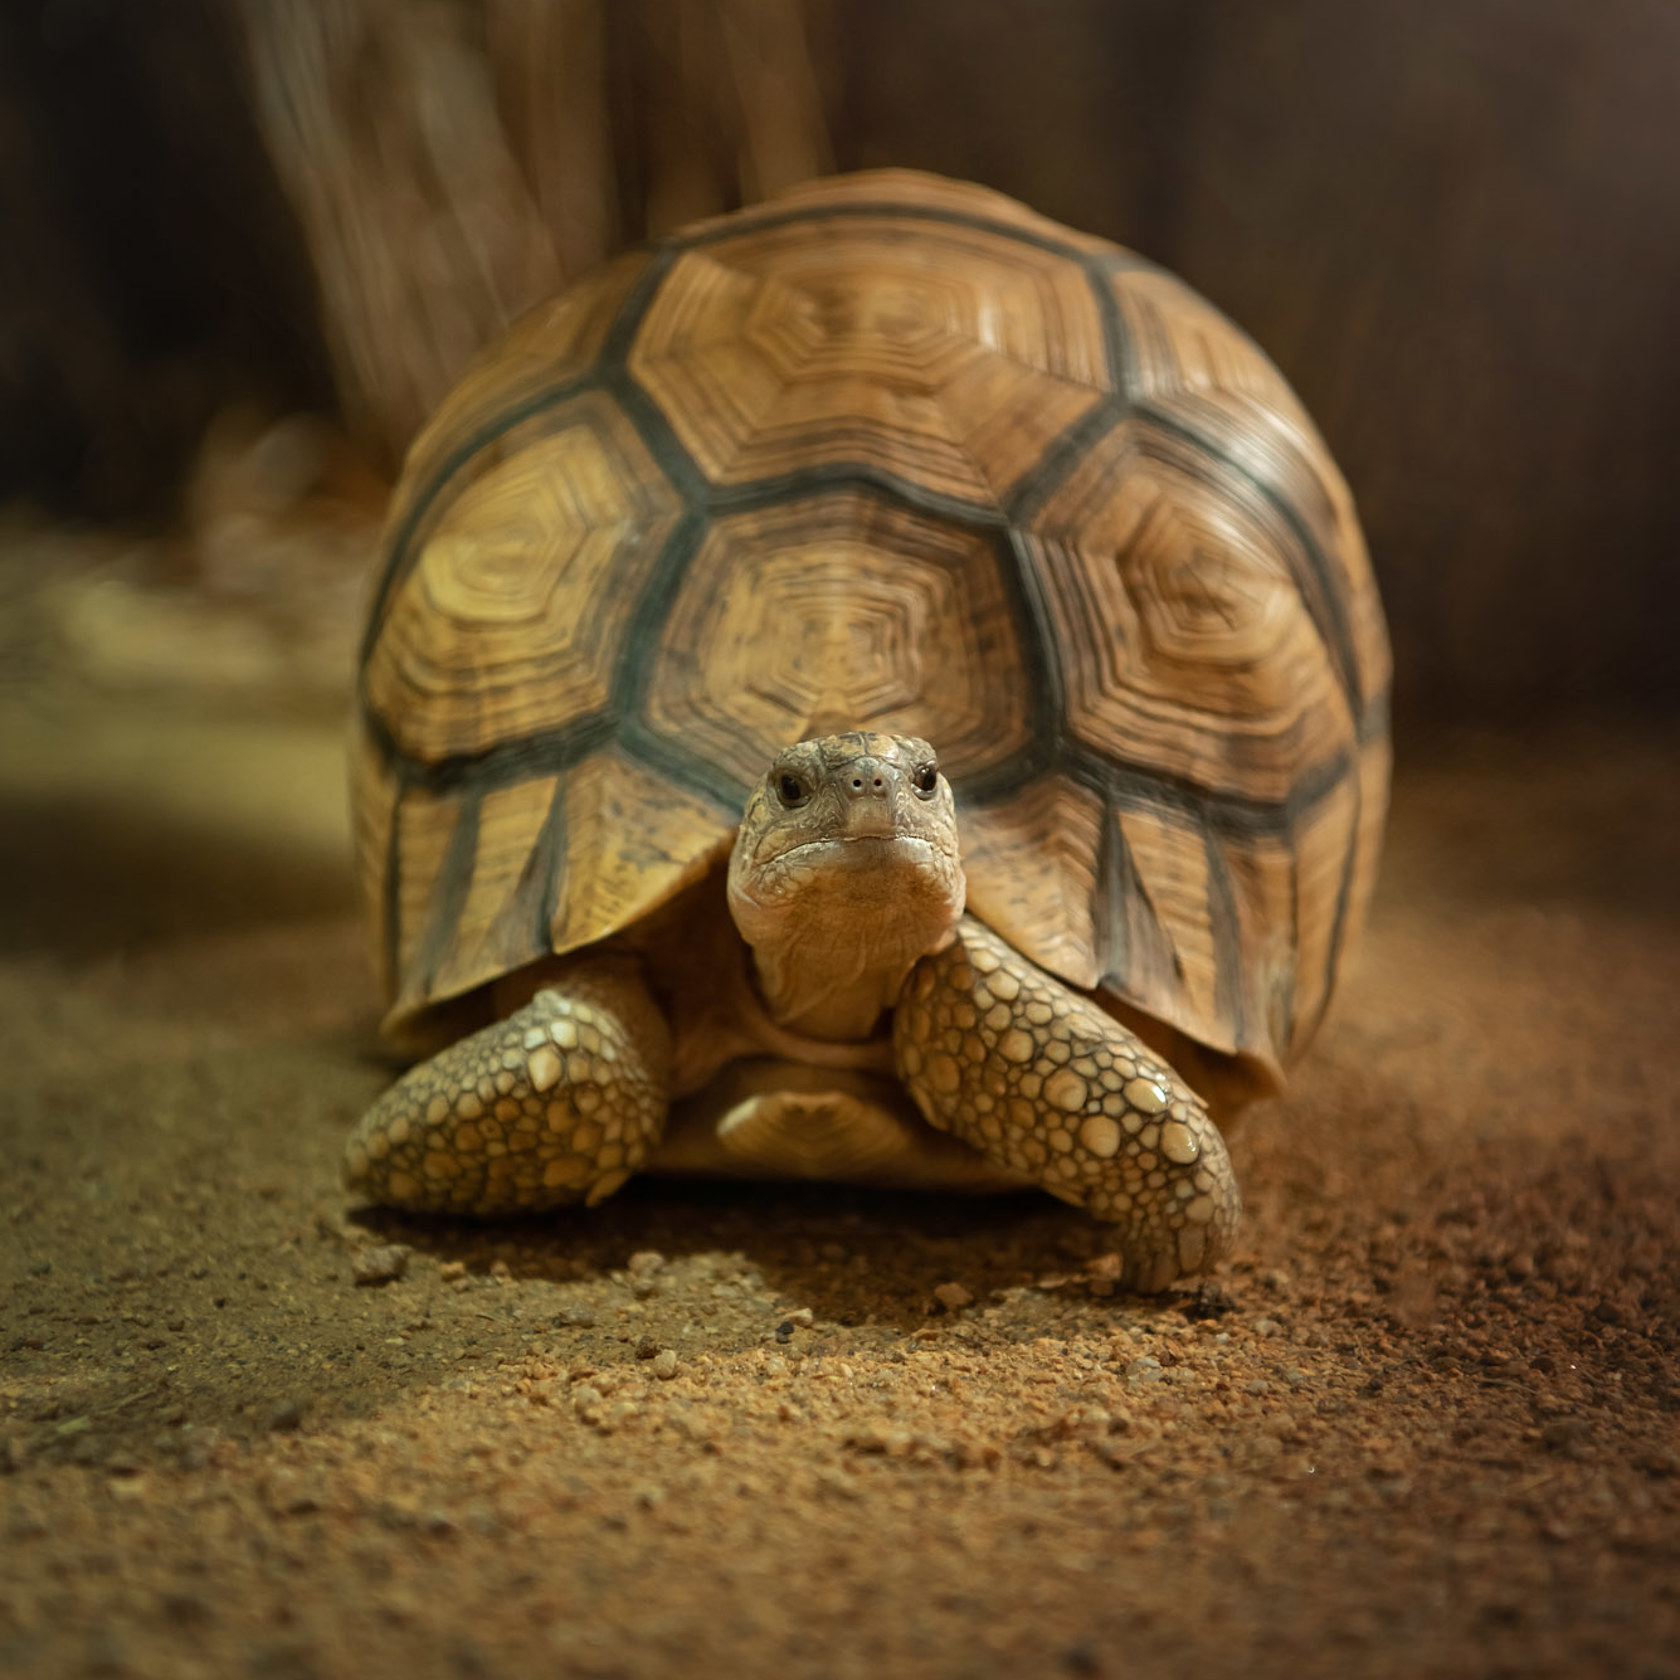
(382, 120)
(782, 136)
(728, 105)
(453, 161)
(549, 60)
(684, 111)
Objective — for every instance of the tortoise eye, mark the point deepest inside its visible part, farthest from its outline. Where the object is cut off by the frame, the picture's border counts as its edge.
(791, 789)
(925, 779)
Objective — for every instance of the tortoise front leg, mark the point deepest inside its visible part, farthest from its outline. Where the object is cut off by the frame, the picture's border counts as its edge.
(1041, 1080)
(557, 1103)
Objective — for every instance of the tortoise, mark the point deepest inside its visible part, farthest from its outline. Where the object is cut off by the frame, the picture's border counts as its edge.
(876, 686)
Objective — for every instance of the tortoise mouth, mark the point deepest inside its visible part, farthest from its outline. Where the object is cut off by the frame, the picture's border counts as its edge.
(860, 851)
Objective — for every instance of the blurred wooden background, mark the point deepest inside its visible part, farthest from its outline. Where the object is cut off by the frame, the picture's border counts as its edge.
(1454, 224)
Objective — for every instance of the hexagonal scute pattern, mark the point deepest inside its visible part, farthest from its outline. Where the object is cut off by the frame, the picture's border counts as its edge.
(509, 620)
(1175, 590)
(840, 611)
(952, 359)
(887, 452)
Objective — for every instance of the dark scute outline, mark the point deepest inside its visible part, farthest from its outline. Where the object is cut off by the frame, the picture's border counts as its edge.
(1228, 1002)
(500, 766)
(1026, 498)
(1323, 600)
(1118, 886)
(1229, 815)
(542, 868)
(1344, 890)
(1292, 852)
(450, 889)
(1344, 894)
(390, 897)
(402, 553)
(1374, 719)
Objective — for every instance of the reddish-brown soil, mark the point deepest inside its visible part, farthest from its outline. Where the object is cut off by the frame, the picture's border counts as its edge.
(1427, 1423)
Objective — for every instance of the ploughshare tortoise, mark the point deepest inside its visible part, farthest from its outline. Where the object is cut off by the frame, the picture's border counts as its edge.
(877, 686)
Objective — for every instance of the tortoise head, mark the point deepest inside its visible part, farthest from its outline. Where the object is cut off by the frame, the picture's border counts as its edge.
(845, 873)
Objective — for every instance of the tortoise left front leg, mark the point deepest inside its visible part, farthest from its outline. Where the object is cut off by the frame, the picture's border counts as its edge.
(557, 1103)
(1041, 1080)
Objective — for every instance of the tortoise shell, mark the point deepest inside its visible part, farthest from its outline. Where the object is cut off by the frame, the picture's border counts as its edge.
(888, 452)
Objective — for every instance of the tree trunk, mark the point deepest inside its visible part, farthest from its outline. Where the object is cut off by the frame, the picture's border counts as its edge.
(453, 161)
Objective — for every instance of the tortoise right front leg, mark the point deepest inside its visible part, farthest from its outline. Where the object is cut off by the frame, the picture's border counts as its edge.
(1042, 1081)
(555, 1104)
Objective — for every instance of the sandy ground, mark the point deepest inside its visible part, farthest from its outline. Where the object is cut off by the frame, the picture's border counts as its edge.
(1427, 1423)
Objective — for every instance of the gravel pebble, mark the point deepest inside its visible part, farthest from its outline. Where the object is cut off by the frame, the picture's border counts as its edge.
(384, 1264)
(286, 1417)
(1565, 1434)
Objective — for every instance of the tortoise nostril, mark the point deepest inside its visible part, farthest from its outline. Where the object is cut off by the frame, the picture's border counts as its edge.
(866, 783)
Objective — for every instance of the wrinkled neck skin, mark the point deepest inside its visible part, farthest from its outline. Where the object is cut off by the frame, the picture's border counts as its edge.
(842, 888)
(833, 980)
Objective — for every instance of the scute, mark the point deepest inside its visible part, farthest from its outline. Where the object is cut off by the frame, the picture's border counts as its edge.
(510, 618)
(853, 608)
(1175, 590)
(891, 452)
(952, 360)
